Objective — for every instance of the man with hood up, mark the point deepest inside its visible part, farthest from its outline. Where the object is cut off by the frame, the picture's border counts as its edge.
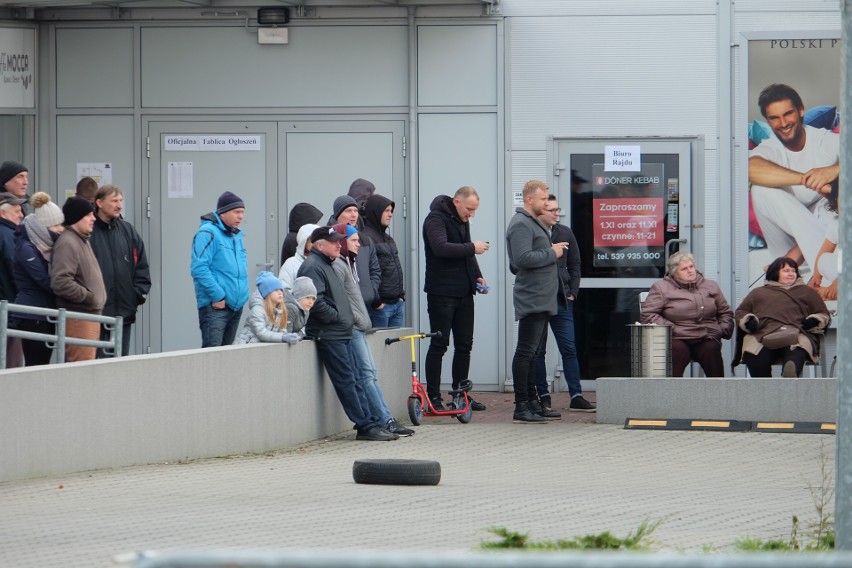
(361, 190)
(219, 270)
(452, 278)
(378, 212)
(301, 214)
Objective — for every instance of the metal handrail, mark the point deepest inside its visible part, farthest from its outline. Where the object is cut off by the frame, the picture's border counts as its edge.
(58, 341)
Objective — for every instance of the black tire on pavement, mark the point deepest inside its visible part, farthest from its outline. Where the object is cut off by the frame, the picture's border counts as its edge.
(396, 472)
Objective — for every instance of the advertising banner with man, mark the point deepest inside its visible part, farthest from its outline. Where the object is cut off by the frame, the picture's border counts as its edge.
(793, 165)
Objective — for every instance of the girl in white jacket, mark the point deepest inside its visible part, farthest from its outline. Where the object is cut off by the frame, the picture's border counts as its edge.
(267, 318)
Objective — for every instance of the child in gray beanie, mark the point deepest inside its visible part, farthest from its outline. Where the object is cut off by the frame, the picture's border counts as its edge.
(300, 299)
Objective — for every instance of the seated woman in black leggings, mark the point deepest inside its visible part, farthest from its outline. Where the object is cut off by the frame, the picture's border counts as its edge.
(784, 301)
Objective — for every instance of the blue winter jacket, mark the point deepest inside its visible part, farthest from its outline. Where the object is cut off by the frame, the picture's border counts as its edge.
(219, 264)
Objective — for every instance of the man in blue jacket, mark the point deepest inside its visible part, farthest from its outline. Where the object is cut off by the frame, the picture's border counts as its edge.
(220, 271)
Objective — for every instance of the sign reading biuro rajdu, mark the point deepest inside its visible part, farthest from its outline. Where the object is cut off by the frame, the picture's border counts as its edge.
(622, 159)
(17, 67)
(212, 143)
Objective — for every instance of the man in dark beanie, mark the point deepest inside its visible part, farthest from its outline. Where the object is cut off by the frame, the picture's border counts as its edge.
(75, 276)
(219, 270)
(14, 178)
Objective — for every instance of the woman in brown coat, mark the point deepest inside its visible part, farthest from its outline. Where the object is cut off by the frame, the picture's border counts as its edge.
(698, 313)
(784, 300)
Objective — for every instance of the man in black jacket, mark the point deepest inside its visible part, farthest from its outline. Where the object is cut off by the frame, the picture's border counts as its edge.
(124, 266)
(378, 212)
(452, 278)
(330, 325)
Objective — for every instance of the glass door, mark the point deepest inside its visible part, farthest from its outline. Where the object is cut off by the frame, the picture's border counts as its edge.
(630, 209)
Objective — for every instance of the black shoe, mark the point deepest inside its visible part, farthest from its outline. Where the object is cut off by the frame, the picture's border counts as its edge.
(395, 427)
(376, 434)
(437, 403)
(537, 408)
(523, 415)
(580, 404)
(474, 405)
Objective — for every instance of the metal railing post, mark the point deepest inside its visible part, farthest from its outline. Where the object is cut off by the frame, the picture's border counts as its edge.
(4, 322)
(60, 336)
(117, 336)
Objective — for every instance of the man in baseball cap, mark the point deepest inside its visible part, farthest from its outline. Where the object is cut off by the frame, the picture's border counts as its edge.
(330, 323)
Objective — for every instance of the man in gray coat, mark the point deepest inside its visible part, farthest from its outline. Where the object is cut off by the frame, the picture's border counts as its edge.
(537, 293)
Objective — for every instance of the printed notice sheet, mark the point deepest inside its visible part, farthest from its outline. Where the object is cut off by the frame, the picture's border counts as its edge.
(180, 180)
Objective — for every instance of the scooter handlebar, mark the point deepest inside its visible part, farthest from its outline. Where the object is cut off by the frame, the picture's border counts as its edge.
(390, 340)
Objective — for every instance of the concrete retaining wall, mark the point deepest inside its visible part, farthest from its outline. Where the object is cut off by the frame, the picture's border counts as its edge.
(792, 400)
(176, 406)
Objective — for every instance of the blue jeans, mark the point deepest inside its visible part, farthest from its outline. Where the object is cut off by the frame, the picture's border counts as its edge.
(391, 315)
(336, 357)
(562, 325)
(370, 394)
(449, 314)
(218, 327)
(531, 329)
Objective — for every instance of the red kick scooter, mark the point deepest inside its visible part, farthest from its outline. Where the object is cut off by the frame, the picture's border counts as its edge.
(419, 404)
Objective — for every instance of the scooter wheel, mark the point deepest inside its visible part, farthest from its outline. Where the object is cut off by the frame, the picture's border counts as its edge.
(396, 472)
(415, 410)
(468, 414)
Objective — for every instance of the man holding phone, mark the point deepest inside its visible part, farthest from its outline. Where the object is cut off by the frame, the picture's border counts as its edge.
(452, 278)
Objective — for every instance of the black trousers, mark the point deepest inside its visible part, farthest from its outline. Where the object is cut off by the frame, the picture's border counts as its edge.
(760, 365)
(531, 328)
(449, 314)
(36, 352)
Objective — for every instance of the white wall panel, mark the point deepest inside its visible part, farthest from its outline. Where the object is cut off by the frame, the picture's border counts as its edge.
(94, 67)
(596, 7)
(457, 65)
(611, 76)
(327, 66)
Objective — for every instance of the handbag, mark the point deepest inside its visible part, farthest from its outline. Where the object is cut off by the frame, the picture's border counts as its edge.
(784, 336)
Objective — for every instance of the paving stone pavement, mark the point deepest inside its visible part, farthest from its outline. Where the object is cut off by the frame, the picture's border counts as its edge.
(558, 480)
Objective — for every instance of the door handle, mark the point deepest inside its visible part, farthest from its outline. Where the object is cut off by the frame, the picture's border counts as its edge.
(266, 265)
(669, 248)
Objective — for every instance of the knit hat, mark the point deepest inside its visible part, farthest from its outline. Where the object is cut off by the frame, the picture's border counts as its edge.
(10, 169)
(267, 283)
(347, 230)
(228, 201)
(326, 233)
(76, 208)
(9, 198)
(341, 203)
(303, 287)
(46, 211)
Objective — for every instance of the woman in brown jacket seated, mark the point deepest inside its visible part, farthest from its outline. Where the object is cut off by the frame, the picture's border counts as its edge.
(782, 320)
(697, 311)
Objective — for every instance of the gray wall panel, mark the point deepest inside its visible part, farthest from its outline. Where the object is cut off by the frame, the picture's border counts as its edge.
(94, 67)
(328, 66)
(457, 65)
(90, 139)
(457, 150)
